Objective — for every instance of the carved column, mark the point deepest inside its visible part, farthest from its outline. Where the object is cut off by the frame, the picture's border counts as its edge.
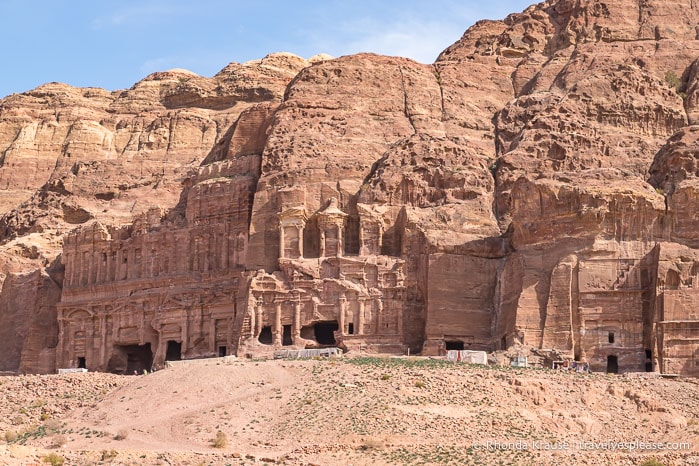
(277, 323)
(103, 338)
(281, 241)
(369, 317)
(96, 268)
(340, 246)
(342, 317)
(359, 324)
(109, 275)
(70, 269)
(90, 267)
(399, 323)
(322, 243)
(62, 343)
(258, 321)
(185, 329)
(80, 266)
(299, 227)
(297, 320)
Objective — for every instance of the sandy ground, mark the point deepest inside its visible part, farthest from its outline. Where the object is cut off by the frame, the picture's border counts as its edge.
(350, 411)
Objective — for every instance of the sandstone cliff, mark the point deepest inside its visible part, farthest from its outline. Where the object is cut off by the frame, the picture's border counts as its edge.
(535, 187)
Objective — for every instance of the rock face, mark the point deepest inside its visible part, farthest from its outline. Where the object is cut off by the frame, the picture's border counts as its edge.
(535, 187)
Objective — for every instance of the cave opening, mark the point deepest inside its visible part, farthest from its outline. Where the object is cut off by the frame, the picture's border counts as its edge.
(324, 332)
(266, 337)
(612, 365)
(131, 359)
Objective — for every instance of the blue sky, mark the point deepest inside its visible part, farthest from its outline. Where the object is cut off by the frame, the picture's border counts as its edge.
(112, 44)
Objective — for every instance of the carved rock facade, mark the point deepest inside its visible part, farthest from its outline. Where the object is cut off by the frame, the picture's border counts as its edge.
(535, 187)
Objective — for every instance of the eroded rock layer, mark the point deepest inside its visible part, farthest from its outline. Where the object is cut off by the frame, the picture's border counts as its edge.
(535, 187)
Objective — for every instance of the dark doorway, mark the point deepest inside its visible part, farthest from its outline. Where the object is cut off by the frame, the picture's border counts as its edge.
(454, 345)
(128, 359)
(350, 329)
(324, 332)
(265, 336)
(81, 363)
(222, 351)
(286, 336)
(649, 360)
(503, 343)
(612, 365)
(610, 337)
(174, 351)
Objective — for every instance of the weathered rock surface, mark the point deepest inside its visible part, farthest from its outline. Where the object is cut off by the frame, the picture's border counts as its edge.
(535, 187)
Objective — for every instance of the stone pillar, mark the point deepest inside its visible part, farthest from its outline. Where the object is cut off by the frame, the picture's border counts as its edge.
(224, 248)
(103, 338)
(342, 317)
(159, 357)
(299, 227)
(60, 363)
(96, 267)
(340, 246)
(297, 321)
(258, 321)
(322, 243)
(185, 330)
(80, 266)
(109, 275)
(118, 265)
(281, 241)
(70, 269)
(379, 316)
(277, 323)
(359, 323)
(369, 317)
(91, 267)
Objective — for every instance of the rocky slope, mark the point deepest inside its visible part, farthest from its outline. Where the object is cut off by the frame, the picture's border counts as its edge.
(351, 411)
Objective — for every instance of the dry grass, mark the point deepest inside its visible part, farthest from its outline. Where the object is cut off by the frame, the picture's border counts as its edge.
(221, 440)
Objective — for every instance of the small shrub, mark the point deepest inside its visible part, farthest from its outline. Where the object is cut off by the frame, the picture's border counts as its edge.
(10, 436)
(58, 441)
(385, 376)
(419, 384)
(53, 459)
(220, 441)
(121, 435)
(652, 462)
(44, 416)
(673, 80)
(108, 455)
